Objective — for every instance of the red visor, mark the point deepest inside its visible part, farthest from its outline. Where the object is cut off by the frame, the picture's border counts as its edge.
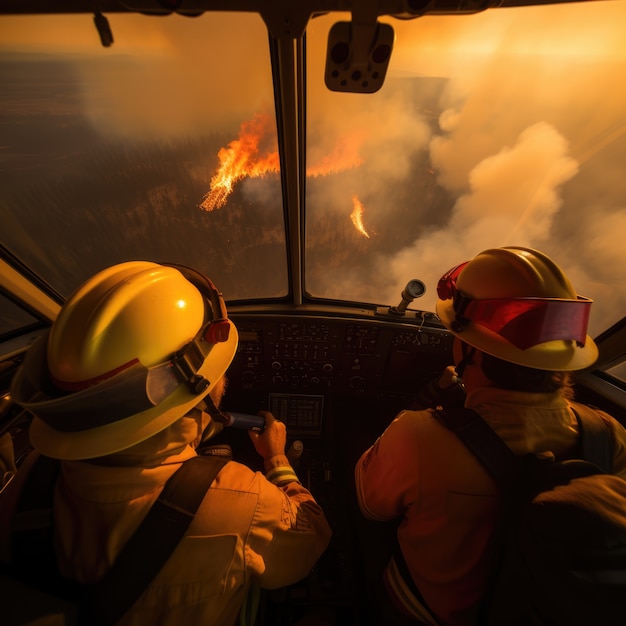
(525, 322)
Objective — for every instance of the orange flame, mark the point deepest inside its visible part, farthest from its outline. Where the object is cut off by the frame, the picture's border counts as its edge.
(345, 156)
(241, 159)
(244, 158)
(357, 216)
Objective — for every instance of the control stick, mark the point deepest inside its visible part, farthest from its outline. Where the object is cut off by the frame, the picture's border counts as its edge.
(244, 421)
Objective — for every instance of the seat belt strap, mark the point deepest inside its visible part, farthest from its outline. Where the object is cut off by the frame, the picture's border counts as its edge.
(141, 558)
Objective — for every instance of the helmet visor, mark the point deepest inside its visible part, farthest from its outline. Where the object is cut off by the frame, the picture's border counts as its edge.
(524, 322)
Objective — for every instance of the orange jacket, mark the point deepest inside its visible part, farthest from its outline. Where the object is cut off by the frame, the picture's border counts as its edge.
(421, 472)
(246, 531)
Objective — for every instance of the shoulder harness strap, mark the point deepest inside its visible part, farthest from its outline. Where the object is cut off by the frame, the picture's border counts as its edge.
(143, 556)
(596, 438)
(494, 455)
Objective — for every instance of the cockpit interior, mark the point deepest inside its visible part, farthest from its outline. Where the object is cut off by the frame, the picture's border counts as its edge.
(324, 162)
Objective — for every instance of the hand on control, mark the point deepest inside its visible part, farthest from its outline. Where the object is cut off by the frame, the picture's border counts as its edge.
(448, 379)
(273, 440)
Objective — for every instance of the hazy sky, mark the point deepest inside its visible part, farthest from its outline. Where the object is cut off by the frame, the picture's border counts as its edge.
(161, 63)
(531, 138)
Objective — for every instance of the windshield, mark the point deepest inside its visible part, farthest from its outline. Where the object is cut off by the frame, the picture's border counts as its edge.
(501, 128)
(505, 127)
(129, 152)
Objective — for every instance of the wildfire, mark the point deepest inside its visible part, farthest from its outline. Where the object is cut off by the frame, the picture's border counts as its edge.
(357, 216)
(254, 154)
(345, 156)
(243, 158)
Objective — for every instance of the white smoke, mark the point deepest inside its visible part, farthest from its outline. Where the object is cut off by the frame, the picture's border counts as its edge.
(512, 198)
(530, 143)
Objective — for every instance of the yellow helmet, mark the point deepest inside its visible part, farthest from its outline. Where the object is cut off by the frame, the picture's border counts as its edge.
(516, 304)
(134, 348)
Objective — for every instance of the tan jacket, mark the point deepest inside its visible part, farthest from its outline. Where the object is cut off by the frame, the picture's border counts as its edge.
(421, 472)
(246, 531)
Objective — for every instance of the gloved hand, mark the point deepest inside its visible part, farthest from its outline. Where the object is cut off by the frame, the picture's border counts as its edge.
(448, 379)
(446, 391)
(272, 441)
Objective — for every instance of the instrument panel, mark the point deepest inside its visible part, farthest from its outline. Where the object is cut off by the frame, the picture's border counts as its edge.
(336, 382)
(295, 365)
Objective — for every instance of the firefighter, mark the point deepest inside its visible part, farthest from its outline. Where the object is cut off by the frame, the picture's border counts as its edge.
(122, 390)
(519, 330)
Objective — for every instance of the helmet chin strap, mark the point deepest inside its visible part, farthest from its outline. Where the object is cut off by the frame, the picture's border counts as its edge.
(468, 353)
(208, 405)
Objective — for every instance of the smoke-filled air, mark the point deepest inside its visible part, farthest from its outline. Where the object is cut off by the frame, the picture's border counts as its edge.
(529, 141)
(506, 127)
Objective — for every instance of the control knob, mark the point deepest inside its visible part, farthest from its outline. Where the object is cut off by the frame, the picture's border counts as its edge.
(357, 383)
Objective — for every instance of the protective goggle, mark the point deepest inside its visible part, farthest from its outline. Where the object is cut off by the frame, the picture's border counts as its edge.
(524, 322)
(131, 388)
